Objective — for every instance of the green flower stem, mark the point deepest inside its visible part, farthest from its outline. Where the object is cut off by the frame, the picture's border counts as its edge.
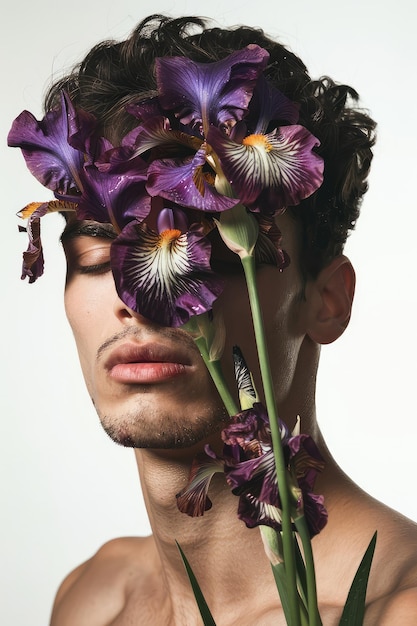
(313, 611)
(248, 263)
(216, 373)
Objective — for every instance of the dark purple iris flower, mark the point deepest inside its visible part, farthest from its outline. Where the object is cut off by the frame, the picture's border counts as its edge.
(270, 171)
(249, 467)
(165, 274)
(216, 134)
(232, 106)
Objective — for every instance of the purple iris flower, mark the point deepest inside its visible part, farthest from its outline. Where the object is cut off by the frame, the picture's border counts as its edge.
(253, 476)
(249, 467)
(204, 143)
(270, 171)
(267, 170)
(165, 274)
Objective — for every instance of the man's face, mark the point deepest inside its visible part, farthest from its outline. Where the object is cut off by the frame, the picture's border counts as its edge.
(148, 383)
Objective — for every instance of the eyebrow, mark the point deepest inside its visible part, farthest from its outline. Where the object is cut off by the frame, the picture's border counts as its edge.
(89, 229)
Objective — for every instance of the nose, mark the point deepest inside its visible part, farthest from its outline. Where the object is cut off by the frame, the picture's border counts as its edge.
(126, 315)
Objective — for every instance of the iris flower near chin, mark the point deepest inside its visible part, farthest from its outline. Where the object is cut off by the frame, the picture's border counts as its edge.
(248, 464)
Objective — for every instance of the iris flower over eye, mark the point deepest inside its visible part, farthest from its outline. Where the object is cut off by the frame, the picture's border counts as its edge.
(165, 274)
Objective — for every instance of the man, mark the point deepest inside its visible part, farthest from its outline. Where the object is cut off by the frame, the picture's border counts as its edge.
(149, 384)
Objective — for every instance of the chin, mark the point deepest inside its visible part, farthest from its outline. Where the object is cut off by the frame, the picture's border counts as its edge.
(163, 433)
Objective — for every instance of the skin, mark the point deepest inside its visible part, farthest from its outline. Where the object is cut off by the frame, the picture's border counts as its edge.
(170, 411)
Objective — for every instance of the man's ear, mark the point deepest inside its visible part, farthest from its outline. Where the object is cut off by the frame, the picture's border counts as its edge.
(329, 301)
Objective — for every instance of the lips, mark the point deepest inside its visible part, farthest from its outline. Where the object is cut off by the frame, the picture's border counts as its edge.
(146, 364)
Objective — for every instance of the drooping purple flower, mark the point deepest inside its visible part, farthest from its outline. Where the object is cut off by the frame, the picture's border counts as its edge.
(33, 260)
(194, 500)
(268, 249)
(200, 94)
(164, 276)
(254, 479)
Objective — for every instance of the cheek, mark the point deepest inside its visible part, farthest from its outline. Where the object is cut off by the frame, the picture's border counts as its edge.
(88, 309)
(279, 297)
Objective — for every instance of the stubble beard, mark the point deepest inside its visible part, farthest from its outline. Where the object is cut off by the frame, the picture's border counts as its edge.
(151, 430)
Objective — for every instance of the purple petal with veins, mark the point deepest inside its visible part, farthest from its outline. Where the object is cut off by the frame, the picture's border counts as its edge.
(114, 196)
(186, 183)
(165, 276)
(280, 167)
(201, 94)
(46, 149)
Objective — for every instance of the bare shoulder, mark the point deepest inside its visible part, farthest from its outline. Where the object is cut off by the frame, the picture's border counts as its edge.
(398, 608)
(96, 591)
(395, 569)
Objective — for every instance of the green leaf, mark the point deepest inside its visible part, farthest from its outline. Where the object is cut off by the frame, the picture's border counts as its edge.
(198, 594)
(354, 610)
(282, 586)
(301, 573)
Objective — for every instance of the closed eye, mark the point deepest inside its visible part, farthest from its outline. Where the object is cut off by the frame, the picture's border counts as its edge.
(97, 268)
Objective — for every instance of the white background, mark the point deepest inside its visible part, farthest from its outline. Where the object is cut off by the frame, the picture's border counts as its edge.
(66, 488)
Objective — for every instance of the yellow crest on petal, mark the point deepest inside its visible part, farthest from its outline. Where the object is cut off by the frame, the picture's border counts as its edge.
(168, 236)
(29, 209)
(52, 207)
(258, 141)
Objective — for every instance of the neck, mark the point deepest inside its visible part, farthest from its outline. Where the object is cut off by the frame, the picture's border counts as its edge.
(218, 542)
(216, 545)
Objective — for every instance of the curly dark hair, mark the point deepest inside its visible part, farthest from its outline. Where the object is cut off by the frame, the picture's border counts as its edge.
(116, 73)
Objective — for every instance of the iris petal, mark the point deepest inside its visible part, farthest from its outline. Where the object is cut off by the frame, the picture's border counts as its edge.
(115, 195)
(33, 261)
(269, 104)
(46, 149)
(165, 277)
(210, 93)
(278, 168)
(186, 184)
(157, 133)
(193, 499)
